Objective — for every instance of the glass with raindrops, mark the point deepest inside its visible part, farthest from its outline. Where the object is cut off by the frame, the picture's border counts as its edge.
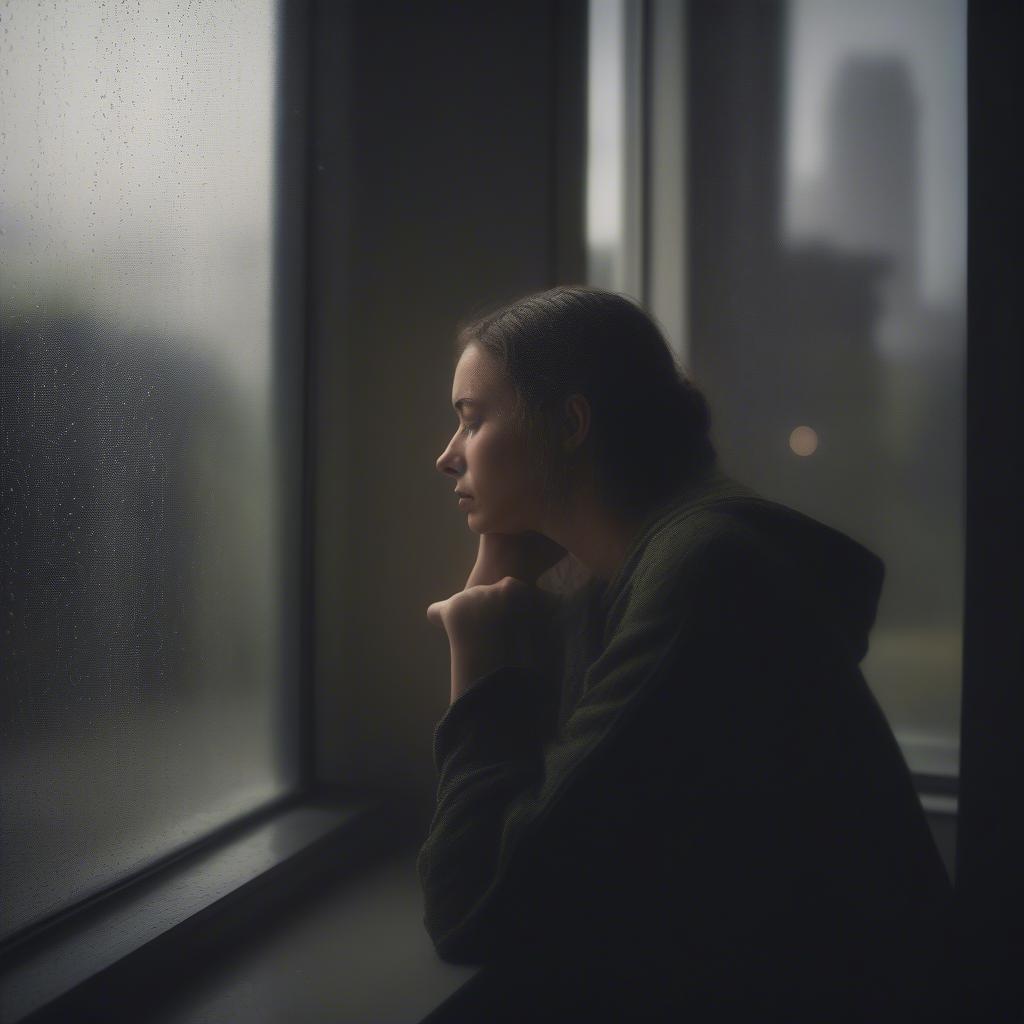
(147, 690)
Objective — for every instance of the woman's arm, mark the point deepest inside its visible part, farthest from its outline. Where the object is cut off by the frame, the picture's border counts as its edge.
(504, 794)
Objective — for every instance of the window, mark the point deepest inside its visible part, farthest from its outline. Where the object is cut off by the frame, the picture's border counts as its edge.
(150, 441)
(614, 147)
(804, 199)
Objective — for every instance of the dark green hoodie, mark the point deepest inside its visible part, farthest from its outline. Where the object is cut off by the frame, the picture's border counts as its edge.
(708, 811)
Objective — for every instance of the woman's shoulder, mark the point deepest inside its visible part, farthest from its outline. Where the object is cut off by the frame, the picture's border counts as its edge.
(675, 530)
(733, 542)
(702, 524)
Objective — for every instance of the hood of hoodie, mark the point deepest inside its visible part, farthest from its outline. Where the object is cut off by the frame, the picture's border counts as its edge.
(844, 579)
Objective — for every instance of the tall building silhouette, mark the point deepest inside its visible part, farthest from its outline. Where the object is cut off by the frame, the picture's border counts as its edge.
(872, 174)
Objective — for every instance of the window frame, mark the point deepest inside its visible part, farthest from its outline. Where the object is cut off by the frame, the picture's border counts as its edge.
(990, 848)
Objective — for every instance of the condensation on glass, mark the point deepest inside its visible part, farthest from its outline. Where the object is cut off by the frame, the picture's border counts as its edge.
(146, 696)
(823, 276)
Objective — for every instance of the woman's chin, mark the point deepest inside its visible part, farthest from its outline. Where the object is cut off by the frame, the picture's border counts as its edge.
(479, 523)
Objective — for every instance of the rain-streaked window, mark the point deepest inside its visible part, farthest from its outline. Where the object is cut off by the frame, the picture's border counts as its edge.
(148, 693)
(822, 266)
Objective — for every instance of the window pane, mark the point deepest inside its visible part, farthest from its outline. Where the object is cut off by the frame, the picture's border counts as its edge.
(828, 262)
(614, 150)
(146, 695)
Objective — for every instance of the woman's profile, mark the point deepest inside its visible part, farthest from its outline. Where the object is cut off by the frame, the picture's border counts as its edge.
(664, 787)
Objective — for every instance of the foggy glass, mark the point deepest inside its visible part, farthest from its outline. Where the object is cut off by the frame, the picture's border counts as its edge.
(828, 282)
(148, 695)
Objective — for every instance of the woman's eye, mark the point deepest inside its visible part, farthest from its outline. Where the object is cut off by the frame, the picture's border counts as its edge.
(468, 428)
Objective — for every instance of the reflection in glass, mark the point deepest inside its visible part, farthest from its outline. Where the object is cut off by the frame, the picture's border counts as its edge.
(145, 699)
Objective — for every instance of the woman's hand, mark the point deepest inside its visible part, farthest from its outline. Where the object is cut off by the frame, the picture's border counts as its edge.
(488, 626)
(524, 556)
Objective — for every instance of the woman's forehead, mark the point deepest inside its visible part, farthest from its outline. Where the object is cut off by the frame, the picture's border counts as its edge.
(478, 378)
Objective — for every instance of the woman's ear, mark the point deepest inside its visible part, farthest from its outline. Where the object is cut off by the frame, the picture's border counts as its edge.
(575, 422)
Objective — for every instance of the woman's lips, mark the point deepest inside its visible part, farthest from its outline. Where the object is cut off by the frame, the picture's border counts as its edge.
(464, 499)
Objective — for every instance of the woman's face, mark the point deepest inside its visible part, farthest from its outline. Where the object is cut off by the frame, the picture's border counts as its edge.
(489, 459)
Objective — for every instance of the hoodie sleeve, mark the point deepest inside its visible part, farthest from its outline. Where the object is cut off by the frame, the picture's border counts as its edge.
(520, 820)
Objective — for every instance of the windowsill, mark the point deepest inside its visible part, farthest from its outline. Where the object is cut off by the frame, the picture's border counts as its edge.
(353, 951)
(312, 909)
(147, 944)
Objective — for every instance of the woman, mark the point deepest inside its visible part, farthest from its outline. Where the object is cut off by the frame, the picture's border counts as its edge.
(664, 785)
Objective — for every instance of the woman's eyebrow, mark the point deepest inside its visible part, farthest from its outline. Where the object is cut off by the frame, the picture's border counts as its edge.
(463, 401)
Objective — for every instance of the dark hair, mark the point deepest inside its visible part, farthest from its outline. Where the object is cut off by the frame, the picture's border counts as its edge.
(649, 423)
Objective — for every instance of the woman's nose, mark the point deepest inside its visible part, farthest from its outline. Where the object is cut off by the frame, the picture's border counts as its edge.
(448, 462)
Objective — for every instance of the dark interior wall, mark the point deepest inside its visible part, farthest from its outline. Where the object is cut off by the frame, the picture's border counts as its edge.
(990, 849)
(446, 176)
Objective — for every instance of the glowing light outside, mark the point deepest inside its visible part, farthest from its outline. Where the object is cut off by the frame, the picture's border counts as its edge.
(803, 441)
